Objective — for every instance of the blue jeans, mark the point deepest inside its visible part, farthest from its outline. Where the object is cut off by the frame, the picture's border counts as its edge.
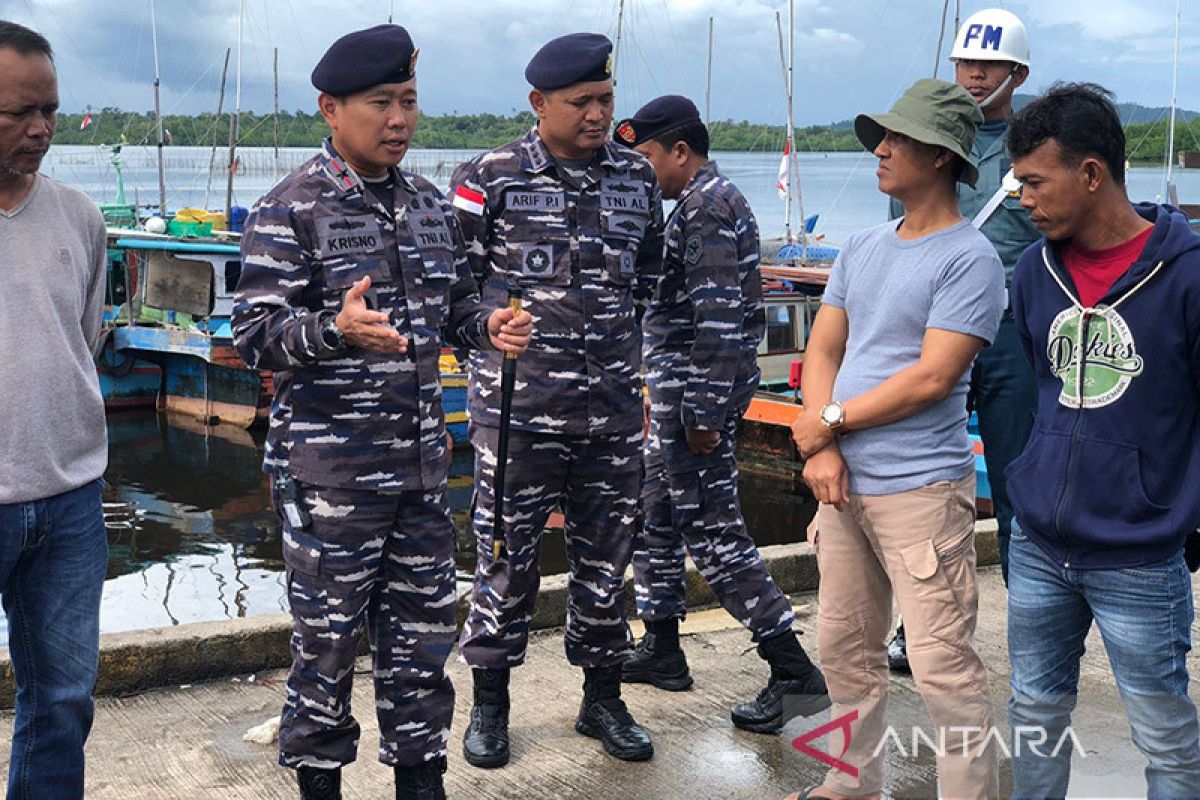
(53, 558)
(1145, 617)
(1005, 395)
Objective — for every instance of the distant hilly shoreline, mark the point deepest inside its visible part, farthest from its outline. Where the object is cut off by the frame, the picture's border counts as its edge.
(1146, 131)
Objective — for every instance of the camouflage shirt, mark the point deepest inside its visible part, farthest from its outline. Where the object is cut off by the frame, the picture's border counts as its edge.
(585, 252)
(706, 318)
(354, 418)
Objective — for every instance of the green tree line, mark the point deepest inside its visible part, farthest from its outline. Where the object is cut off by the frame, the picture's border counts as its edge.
(1146, 141)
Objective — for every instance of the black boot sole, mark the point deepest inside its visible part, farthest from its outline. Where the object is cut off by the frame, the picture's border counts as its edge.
(485, 762)
(671, 683)
(629, 754)
(813, 704)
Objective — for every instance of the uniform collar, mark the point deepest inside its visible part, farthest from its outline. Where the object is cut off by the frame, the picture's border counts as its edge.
(706, 173)
(343, 176)
(997, 145)
(535, 157)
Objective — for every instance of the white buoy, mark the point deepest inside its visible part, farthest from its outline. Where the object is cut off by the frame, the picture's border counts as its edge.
(156, 225)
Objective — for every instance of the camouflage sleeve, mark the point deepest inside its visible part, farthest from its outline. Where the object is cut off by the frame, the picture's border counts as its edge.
(711, 276)
(650, 253)
(469, 199)
(466, 326)
(272, 327)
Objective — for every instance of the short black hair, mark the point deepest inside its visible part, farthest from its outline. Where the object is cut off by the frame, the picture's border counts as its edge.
(23, 40)
(694, 134)
(1080, 117)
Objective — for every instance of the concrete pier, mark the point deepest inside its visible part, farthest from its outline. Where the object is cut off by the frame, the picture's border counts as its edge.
(186, 741)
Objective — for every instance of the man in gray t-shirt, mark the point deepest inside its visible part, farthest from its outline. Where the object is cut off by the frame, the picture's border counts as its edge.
(884, 435)
(53, 546)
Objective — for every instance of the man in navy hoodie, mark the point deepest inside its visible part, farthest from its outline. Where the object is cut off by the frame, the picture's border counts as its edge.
(1108, 487)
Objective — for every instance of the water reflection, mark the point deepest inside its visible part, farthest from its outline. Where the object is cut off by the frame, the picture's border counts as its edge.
(192, 536)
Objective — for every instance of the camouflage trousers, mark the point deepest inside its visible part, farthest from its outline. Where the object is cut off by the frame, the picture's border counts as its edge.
(383, 563)
(691, 503)
(595, 482)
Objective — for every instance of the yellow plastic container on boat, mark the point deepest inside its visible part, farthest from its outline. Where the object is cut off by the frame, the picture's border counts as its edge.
(215, 219)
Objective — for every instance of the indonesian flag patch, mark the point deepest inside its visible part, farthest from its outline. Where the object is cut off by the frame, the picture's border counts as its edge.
(468, 200)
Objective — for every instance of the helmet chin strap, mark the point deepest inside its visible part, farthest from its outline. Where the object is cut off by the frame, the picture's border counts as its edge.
(991, 98)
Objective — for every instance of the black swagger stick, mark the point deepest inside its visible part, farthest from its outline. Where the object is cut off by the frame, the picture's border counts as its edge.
(508, 377)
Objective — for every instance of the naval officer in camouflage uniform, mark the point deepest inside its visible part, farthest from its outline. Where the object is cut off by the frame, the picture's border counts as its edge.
(576, 220)
(700, 339)
(352, 271)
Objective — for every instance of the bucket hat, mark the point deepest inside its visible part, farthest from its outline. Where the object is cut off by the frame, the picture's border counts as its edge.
(933, 112)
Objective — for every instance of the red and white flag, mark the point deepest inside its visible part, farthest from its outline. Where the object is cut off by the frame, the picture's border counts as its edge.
(469, 200)
(86, 121)
(782, 184)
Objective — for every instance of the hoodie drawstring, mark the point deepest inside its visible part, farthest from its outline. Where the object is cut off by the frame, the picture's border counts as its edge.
(1085, 313)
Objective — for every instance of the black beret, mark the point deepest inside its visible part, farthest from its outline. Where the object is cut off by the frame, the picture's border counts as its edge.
(362, 59)
(574, 58)
(658, 116)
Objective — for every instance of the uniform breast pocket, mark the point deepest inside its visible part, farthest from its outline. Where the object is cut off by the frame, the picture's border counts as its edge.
(623, 234)
(545, 263)
(435, 287)
(351, 248)
(340, 274)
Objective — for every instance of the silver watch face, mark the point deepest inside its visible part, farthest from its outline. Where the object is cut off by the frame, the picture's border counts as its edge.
(831, 414)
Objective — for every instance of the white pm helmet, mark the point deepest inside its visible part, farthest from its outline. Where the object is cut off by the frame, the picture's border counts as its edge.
(992, 35)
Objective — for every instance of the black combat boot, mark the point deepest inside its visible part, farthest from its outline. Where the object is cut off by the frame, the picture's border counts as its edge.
(658, 659)
(604, 716)
(485, 744)
(319, 784)
(422, 782)
(796, 688)
(898, 653)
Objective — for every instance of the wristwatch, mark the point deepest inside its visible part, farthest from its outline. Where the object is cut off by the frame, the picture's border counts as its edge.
(833, 416)
(332, 336)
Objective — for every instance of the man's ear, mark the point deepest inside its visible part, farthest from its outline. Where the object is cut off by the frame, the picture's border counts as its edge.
(537, 101)
(1020, 74)
(1093, 171)
(327, 104)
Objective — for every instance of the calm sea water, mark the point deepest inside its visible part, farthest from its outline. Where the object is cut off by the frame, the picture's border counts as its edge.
(192, 537)
(838, 186)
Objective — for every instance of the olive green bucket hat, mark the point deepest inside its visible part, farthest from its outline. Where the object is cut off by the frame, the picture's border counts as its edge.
(934, 112)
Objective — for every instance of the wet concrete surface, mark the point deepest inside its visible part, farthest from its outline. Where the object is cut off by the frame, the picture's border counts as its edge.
(187, 742)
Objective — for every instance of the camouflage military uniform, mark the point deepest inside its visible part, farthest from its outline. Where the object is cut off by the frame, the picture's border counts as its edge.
(583, 252)
(701, 335)
(362, 433)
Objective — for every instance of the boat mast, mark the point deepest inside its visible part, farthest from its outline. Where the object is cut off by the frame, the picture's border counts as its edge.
(708, 81)
(162, 174)
(794, 157)
(212, 158)
(276, 112)
(236, 118)
(793, 177)
(787, 146)
(617, 45)
(1168, 188)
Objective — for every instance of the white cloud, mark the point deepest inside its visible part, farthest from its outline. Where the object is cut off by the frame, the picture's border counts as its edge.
(850, 54)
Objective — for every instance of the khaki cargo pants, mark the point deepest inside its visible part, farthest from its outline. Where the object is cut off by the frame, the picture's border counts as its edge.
(919, 544)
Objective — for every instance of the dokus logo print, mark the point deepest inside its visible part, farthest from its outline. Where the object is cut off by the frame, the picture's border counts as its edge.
(1109, 356)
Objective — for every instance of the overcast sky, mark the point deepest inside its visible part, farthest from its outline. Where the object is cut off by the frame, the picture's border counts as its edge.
(851, 55)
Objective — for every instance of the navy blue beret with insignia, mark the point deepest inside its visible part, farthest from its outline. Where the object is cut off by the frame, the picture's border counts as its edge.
(574, 58)
(362, 59)
(658, 116)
